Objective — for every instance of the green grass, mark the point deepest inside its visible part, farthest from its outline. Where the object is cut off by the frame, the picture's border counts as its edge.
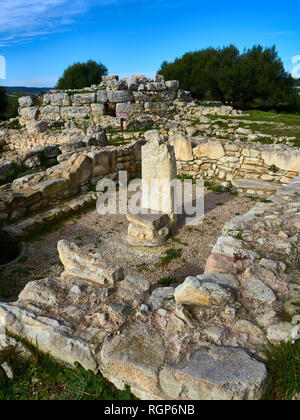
(286, 125)
(42, 378)
(178, 241)
(284, 371)
(166, 282)
(170, 255)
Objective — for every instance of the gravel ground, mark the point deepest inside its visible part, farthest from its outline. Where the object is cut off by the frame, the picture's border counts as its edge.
(190, 246)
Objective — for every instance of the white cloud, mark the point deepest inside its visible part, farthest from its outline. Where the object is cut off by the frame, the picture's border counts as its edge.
(25, 19)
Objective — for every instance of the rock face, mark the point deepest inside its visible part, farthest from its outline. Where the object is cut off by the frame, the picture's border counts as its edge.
(220, 373)
(196, 292)
(134, 357)
(87, 266)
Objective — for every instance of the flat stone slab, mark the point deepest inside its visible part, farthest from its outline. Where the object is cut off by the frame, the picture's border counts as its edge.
(154, 221)
(220, 373)
(254, 184)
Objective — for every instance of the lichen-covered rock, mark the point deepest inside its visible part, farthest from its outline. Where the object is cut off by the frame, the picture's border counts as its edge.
(258, 290)
(219, 373)
(134, 358)
(197, 292)
(87, 266)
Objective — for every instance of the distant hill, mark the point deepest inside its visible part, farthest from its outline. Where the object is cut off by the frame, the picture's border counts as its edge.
(26, 90)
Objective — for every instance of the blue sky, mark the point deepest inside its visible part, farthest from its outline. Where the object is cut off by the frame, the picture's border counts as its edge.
(40, 38)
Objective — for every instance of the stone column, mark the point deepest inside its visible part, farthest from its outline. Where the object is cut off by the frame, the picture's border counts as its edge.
(151, 227)
(158, 171)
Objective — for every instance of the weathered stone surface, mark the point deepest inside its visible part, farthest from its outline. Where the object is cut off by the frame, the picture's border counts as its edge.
(104, 161)
(26, 101)
(226, 280)
(50, 113)
(98, 110)
(158, 296)
(283, 160)
(52, 187)
(51, 336)
(220, 373)
(283, 332)
(159, 164)
(57, 99)
(134, 357)
(83, 99)
(210, 149)
(120, 96)
(183, 148)
(80, 171)
(254, 184)
(87, 266)
(70, 112)
(41, 292)
(196, 292)
(132, 288)
(29, 113)
(258, 290)
(36, 126)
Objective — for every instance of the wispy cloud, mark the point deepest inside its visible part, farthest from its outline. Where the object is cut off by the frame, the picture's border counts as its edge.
(25, 19)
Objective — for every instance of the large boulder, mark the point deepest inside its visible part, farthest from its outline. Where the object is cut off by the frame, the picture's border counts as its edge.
(120, 96)
(83, 265)
(219, 373)
(203, 292)
(210, 149)
(183, 148)
(134, 358)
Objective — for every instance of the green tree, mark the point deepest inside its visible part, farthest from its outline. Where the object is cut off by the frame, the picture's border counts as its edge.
(3, 101)
(255, 78)
(81, 75)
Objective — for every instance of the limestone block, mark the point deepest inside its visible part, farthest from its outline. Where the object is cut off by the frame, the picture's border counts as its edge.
(134, 358)
(120, 96)
(202, 292)
(209, 149)
(287, 160)
(183, 148)
(83, 99)
(57, 99)
(27, 101)
(104, 161)
(159, 164)
(50, 113)
(80, 171)
(29, 113)
(101, 96)
(98, 110)
(75, 112)
(52, 187)
(87, 266)
(219, 373)
(258, 290)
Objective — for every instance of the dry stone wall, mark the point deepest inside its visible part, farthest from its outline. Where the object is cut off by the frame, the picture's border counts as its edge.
(72, 176)
(137, 95)
(251, 168)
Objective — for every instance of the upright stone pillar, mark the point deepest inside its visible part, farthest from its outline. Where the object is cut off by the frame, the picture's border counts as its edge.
(151, 227)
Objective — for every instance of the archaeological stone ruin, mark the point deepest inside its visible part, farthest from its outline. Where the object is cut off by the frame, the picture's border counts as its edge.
(196, 332)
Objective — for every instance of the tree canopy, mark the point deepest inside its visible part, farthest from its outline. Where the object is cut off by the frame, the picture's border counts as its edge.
(254, 78)
(81, 75)
(3, 101)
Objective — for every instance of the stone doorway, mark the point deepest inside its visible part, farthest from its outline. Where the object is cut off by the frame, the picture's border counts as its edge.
(110, 109)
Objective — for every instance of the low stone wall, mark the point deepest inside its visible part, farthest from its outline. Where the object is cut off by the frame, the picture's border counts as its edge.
(71, 176)
(252, 168)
